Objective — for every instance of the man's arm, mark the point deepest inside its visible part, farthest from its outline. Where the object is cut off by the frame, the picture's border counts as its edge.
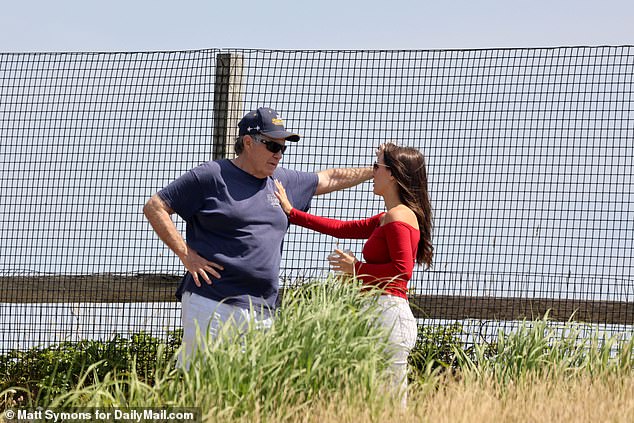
(159, 215)
(341, 178)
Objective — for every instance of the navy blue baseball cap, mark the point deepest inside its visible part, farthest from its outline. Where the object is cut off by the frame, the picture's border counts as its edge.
(265, 121)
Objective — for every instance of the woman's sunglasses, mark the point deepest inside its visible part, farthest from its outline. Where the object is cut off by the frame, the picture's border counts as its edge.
(272, 146)
(376, 165)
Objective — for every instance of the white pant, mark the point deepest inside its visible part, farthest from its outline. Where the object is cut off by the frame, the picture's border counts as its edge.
(397, 318)
(203, 318)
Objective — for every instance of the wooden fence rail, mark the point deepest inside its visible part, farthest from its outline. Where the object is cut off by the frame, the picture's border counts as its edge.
(107, 288)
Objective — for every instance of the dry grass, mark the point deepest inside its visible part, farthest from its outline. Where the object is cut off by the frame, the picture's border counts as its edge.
(578, 400)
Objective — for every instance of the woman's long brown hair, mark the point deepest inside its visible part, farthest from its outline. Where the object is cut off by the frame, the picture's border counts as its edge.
(408, 167)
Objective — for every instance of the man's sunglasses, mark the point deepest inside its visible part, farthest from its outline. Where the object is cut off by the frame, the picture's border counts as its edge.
(272, 146)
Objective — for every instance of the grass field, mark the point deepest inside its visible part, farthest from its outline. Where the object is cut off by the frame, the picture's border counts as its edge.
(324, 361)
(581, 400)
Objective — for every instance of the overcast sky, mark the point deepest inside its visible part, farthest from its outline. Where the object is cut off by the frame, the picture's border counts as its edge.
(144, 25)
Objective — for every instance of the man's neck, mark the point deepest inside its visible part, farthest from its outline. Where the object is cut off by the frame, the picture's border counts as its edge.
(244, 165)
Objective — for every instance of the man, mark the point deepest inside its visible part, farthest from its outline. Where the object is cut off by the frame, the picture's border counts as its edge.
(235, 226)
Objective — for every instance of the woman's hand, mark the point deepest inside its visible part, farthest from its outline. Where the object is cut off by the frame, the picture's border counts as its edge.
(342, 261)
(282, 197)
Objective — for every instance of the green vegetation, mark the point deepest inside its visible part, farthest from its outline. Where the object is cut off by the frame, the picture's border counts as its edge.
(38, 375)
(540, 349)
(322, 354)
(323, 343)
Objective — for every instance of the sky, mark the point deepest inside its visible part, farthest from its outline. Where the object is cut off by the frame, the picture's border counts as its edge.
(160, 25)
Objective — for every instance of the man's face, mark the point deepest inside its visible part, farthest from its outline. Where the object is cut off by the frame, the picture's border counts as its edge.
(266, 155)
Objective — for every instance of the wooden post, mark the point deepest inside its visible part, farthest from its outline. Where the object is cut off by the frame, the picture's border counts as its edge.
(228, 91)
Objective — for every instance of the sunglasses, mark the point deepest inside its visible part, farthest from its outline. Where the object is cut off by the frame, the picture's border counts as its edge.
(376, 165)
(272, 146)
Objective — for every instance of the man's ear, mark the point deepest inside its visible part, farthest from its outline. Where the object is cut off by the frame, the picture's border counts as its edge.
(248, 141)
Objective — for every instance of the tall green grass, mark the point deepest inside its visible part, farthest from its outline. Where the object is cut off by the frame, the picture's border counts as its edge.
(544, 350)
(323, 346)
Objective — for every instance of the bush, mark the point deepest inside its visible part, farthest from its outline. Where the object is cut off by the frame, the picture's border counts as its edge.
(38, 375)
(435, 350)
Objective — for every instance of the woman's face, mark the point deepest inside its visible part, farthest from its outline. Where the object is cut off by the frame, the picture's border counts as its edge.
(382, 175)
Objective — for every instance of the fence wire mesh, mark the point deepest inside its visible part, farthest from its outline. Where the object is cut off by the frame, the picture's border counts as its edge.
(530, 160)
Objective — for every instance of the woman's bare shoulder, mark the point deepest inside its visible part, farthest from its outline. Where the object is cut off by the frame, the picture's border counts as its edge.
(401, 213)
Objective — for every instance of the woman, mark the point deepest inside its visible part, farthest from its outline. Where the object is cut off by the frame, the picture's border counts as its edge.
(396, 239)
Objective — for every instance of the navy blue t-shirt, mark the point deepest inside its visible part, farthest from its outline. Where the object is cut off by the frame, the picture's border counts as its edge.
(234, 219)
